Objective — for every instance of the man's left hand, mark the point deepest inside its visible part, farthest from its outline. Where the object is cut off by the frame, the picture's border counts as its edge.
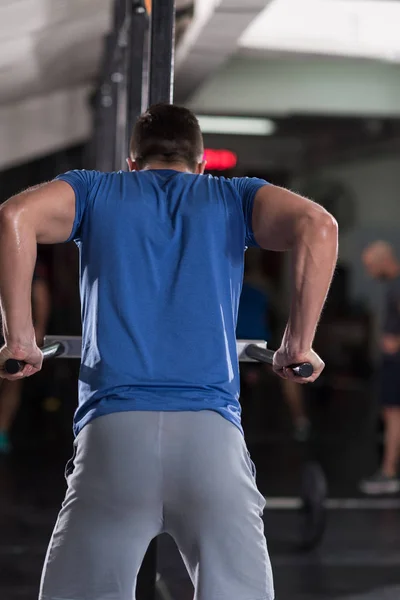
(29, 354)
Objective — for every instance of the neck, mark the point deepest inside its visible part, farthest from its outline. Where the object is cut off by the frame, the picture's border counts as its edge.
(156, 165)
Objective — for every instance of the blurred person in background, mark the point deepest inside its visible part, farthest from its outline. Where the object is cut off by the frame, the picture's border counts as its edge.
(10, 391)
(381, 263)
(257, 302)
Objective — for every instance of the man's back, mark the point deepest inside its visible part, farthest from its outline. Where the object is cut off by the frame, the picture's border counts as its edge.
(161, 274)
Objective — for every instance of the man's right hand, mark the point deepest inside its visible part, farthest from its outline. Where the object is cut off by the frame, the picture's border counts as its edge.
(284, 358)
(29, 354)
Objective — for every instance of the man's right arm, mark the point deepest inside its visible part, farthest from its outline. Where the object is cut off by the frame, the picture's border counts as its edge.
(282, 221)
(47, 214)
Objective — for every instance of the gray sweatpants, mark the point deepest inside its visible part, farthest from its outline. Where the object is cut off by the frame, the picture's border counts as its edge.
(138, 474)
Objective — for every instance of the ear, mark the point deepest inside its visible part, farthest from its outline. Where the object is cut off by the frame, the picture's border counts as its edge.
(132, 166)
(201, 167)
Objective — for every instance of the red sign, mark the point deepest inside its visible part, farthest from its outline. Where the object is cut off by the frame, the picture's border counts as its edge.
(220, 160)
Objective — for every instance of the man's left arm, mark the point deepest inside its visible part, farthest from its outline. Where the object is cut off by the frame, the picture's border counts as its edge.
(44, 215)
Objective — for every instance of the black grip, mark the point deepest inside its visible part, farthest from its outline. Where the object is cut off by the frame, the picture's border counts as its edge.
(13, 366)
(265, 355)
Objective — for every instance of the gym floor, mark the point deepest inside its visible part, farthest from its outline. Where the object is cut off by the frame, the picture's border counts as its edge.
(358, 559)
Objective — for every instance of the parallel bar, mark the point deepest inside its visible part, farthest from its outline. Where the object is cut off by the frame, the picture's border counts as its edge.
(262, 355)
(72, 346)
(267, 356)
(293, 503)
(13, 366)
(162, 53)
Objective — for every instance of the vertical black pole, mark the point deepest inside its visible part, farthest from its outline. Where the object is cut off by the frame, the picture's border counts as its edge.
(146, 581)
(160, 89)
(110, 96)
(105, 113)
(161, 84)
(119, 80)
(137, 63)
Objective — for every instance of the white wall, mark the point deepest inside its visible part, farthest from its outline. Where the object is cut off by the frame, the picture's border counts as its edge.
(303, 85)
(43, 124)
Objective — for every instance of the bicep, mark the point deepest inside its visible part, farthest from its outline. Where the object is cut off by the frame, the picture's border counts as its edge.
(276, 215)
(49, 209)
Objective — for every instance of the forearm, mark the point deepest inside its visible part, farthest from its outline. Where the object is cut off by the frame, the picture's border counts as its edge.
(17, 262)
(314, 256)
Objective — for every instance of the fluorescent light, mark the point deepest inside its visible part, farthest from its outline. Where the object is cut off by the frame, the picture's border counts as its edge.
(236, 125)
(358, 28)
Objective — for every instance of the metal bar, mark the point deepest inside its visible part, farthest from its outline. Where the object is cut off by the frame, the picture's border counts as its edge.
(260, 354)
(162, 52)
(110, 96)
(119, 80)
(13, 366)
(105, 116)
(72, 346)
(294, 503)
(267, 356)
(137, 64)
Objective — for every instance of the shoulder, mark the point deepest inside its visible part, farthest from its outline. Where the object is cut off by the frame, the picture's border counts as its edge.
(82, 179)
(81, 174)
(245, 184)
(88, 184)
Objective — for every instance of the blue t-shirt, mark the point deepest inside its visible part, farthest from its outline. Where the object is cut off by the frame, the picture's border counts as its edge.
(161, 268)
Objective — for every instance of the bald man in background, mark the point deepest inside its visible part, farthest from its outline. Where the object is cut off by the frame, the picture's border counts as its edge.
(381, 263)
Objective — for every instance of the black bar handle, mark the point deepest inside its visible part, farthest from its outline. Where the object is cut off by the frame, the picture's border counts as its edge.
(13, 366)
(267, 356)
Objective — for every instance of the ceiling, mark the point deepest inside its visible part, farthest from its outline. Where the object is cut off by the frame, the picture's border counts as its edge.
(47, 45)
(234, 57)
(348, 28)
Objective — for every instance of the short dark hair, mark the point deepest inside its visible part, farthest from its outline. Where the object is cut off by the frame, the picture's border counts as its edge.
(167, 133)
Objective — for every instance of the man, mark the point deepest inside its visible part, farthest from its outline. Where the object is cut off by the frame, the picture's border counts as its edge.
(10, 391)
(159, 444)
(381, 263)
